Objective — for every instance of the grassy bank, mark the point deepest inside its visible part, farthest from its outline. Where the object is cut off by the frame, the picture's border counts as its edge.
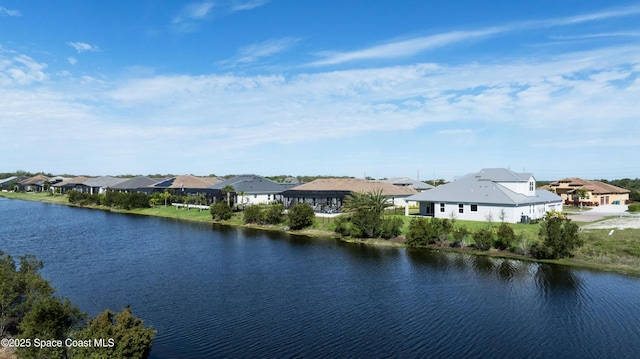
(618, 253)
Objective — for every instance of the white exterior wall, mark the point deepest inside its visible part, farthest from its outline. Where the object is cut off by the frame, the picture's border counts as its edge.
(512, 214)
(521, 187)
(399, 201)
(255, 198)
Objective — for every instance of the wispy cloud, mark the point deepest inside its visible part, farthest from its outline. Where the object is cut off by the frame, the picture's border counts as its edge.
(254, 52)
(8, 12)
(596, 36)
(191, 16)
(72, 60)
(409, 47)
(403, 48)
(243, 5)
(82, 47)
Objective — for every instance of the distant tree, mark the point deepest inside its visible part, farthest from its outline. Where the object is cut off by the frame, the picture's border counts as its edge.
(129, 337)
(300, 215)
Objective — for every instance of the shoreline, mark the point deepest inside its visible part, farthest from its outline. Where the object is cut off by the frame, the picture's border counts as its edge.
(573, 262)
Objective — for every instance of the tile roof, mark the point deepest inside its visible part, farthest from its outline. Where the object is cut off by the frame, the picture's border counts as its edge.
(354, 185)
(34, 180)
(595, 187)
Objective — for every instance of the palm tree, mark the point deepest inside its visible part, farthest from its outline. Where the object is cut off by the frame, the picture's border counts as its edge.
(226, 192)
(368, 209)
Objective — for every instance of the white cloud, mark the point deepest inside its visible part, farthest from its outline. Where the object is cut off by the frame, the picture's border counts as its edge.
(72, 60)
(8, 12)
(82, 47)
(21, 70)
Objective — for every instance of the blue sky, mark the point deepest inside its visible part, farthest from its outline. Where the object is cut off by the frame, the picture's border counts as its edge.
(376, 88)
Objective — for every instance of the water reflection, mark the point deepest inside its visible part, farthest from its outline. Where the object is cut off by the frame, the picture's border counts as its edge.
(554, 279)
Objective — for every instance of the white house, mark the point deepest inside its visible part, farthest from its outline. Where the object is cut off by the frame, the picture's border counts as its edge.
(253, 189)
(491, 194)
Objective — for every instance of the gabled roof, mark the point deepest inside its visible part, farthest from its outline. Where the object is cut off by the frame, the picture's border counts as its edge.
(136, 183)
(353, 185)
(408, 182)
(252, 184)
(104, 181)
(595, 187)
(479, 188)
(186, 181)
(34, 180)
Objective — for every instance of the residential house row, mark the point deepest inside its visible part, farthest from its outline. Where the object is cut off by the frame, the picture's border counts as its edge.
(492, 194)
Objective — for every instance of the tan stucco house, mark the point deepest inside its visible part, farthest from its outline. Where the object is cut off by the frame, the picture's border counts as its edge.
(594, 193)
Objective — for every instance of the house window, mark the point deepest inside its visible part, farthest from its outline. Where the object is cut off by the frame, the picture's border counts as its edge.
(255, 196)
(474, 208)
(442, 207)
(268, 197)
(531, 186)
(460, 208)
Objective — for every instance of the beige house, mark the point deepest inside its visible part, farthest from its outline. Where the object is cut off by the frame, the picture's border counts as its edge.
(588, 193)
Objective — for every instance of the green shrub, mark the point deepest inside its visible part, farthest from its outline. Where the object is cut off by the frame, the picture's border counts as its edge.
(220, 211)
(505, 238)
(342, 225)
(273, 214)
(483, 239)
(391, 227)
(559, 238)
(301, 215)
(634, 207)
(253, 214)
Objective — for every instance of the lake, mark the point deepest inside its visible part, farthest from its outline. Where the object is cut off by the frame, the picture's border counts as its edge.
(216, 291)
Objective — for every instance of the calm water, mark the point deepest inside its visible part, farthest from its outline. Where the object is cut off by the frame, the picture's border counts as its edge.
(226, 292)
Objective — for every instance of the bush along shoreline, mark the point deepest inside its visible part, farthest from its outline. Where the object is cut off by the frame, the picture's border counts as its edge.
(555, 240)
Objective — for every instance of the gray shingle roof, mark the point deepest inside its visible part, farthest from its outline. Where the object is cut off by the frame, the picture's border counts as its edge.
(252, 184)
(137, 183)
(408, 182)
(104, 181)
(482, 189)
